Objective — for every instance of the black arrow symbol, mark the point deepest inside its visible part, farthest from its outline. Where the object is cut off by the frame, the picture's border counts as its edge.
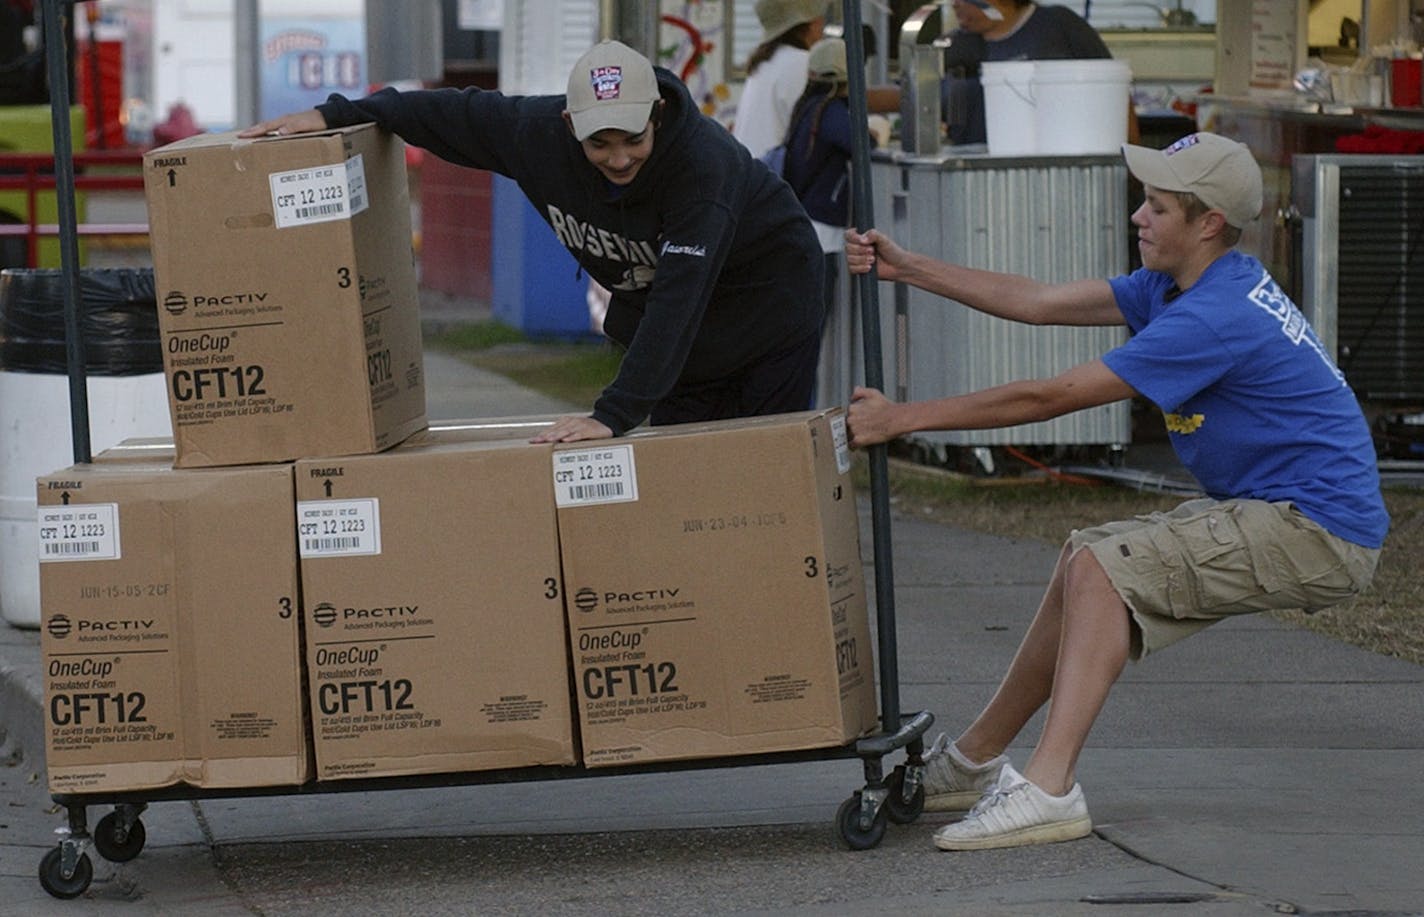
(172, 178)
(327, 485)
(64, 497)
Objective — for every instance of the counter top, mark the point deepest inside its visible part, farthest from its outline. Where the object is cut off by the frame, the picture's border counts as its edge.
(1299, 109)
(976, 156)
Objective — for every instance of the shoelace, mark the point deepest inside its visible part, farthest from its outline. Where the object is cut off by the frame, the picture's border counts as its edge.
(993, 798)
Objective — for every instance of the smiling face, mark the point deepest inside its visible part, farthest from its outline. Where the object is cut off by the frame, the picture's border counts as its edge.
(618, 155)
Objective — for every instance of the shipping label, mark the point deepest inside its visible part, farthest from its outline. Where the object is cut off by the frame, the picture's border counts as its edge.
(319, 194)
(603, 474)
(339, 528)
(82, 532)
(841, 441)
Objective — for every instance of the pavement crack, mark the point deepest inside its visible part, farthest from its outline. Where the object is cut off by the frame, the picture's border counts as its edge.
(220, 864)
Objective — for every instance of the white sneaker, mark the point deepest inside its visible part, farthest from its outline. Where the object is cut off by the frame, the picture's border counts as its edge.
(1017, 813)
(952, 782)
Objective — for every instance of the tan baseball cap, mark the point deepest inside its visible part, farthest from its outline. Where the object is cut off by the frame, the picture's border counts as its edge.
(612, 86)
(1219, 171)
(827, 61)
(779, 16)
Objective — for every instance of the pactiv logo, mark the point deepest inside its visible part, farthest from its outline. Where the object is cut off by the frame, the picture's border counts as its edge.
(586, 599)
(175, 302)
(324, 614)
(59, 626)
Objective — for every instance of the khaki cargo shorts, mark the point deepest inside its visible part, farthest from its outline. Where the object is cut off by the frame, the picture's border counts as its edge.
(1206, 560)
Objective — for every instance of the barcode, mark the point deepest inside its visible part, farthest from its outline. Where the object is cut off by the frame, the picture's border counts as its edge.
(312, 545)
(596, 491)
(71, 547)
(320, 210)
(358, 202)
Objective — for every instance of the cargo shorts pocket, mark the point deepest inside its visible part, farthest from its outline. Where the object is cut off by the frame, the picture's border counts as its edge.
(1326, 571)
(1211, 564)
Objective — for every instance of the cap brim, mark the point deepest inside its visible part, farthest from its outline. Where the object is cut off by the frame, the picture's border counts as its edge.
(632, 117)
(1150, 167)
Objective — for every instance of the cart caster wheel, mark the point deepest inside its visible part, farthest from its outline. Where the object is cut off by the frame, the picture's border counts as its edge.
(900, 811)
(848, 825)
(113, 847)
(52, 875)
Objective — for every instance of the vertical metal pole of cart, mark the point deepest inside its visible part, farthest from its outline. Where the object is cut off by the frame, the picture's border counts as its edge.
(861, 212)
(56, 56)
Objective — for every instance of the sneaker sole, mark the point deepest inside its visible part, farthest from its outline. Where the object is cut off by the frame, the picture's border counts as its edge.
(957, 801)
(1038, 834)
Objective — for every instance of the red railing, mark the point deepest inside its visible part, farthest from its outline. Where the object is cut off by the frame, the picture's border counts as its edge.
(33, 173)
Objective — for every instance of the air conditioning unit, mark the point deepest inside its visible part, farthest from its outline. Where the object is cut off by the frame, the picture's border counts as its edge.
(1362, 281)
(1362, 270)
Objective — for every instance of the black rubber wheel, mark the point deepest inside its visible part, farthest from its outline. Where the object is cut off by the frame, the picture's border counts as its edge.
(900, 811)
(108, 845)
(848, 825)
(52, 876)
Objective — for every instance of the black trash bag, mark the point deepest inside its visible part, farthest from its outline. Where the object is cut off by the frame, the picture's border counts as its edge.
(118, 316)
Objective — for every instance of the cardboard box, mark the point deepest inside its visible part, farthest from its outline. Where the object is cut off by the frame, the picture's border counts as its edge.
(435, 637)
(290, 320)
(171, 639)
(717, 602)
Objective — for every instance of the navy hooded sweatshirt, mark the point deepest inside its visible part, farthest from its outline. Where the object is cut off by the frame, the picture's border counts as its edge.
(710, 258)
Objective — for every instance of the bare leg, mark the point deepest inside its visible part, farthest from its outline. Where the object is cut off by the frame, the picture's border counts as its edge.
(1094, 648)
(1029, 680)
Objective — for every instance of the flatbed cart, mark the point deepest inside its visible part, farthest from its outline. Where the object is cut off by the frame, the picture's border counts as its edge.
(66, 871)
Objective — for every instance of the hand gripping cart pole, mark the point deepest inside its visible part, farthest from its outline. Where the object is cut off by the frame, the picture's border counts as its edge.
(66, 870)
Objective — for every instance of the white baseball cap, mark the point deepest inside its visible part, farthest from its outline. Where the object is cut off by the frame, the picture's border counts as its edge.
(827, 61)
(1220, 172)
(612, 86)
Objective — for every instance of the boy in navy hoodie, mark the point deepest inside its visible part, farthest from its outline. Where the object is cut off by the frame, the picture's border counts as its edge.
(714, 269)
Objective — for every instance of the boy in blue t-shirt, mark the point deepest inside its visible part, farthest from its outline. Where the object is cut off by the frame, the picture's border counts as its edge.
(1255, 409)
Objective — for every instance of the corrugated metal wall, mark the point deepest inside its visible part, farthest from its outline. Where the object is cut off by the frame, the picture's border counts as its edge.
(1052, 219)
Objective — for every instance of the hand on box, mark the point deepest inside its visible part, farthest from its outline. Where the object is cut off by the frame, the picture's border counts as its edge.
(298, 122)
(572, 430)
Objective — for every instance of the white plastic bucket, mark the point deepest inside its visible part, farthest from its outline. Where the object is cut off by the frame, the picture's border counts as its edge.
(1010, 121)
(1081, 106)
(36, 440)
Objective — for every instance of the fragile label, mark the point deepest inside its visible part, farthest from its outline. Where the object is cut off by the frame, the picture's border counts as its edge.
(841, 442)
(319, 194)
(585, 477)
(87, 532)
(339, 528)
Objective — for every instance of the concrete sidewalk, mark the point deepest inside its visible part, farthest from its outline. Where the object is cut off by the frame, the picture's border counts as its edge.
(1256, 768)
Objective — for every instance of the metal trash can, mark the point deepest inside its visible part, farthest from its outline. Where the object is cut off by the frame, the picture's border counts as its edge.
(127, 397)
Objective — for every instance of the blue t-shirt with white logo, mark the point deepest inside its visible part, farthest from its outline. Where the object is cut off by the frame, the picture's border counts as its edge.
(1255, 407)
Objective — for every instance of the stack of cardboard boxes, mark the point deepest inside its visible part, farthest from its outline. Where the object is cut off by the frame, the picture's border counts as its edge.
(309, 582)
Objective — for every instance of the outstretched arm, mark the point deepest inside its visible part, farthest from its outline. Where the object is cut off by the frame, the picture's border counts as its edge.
(873, 418)
(1010, 296)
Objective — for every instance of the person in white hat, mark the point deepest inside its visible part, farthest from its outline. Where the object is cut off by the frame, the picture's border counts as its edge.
(713, 267)
(776, 71)
(1255, 408)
